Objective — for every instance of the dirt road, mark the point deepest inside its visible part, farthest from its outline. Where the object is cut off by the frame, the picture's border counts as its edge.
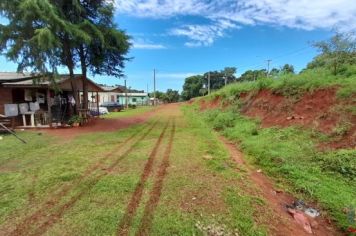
(169, 176)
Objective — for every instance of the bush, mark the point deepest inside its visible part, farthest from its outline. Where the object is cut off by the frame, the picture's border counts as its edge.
(223, 120)
(75, 119)
(132, 106)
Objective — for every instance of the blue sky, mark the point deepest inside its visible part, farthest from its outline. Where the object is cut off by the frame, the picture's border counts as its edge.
(180, 38)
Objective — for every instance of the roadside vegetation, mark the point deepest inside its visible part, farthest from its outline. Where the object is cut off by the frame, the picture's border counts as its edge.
(292, 155)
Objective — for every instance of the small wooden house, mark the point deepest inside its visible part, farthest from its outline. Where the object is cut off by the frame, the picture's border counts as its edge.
(52, 99)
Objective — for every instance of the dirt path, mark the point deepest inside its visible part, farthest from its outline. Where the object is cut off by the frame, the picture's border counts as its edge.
(103, 125)
(156, 192)
(282, 223)
(132, 206)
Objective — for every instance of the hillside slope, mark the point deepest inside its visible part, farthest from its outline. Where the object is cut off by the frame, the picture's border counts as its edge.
(300, 130)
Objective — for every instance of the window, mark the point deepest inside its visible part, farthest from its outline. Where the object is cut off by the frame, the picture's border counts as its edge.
(134, 99)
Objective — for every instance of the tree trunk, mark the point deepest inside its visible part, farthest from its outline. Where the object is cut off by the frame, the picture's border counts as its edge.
(70, 64)
(84, 73)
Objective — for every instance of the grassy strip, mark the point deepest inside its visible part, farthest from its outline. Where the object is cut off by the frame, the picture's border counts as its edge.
(290, 156)
(29, 173)
(205, 169)
(128, 112)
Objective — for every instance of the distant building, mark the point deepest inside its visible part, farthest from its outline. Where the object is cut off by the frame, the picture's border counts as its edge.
(117, 94)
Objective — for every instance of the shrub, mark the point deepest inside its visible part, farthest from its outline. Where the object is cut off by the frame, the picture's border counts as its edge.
(75, 119)
(223, 120)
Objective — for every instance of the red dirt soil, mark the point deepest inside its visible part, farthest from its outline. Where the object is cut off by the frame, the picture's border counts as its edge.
(156, 192)
(126, 221)
(206, 105)
(102, 125)
(282, 223)
(312, 110)
(317, 110)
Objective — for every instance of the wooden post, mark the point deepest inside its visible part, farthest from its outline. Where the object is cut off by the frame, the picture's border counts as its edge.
(97, 103)
(49, 108)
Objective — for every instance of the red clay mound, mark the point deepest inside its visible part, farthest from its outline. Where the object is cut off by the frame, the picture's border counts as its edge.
(312, 110)
(207, 105)
(316, 110)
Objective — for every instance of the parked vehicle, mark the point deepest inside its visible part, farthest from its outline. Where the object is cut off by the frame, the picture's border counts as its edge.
(112, 106)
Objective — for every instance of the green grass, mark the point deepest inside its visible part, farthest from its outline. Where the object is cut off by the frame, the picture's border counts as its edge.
(292, 85)
(195, 189)
(128, 112)
(291, 157)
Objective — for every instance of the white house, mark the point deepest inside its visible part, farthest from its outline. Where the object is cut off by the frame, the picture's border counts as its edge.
(116, 94)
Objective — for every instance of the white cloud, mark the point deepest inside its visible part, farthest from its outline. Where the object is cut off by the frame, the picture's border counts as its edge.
(226, 14)
(143, 44)
(204, 35)
(148, 46)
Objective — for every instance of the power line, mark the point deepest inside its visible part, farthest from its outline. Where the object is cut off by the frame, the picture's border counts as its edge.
(294, 52)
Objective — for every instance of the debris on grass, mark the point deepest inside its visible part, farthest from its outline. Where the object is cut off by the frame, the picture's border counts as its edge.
(301, 206)
(215, 229)
(301, 219)
(207, 157)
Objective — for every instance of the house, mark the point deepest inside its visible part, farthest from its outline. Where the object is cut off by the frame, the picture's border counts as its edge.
(117, 94)
(40, 99)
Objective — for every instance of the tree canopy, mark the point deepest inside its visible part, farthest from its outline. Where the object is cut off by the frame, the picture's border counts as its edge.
(336, 54)
(192, 87)
(44, 34)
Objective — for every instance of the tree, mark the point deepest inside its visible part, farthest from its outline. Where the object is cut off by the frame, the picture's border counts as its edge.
(252, 75)
(217, 78)
(159, 95)
(105, 53)
(38, 38)
(335, 53)
(171, 96)
(274, 72)
(43, 34)
(287, 69)
(192, 87)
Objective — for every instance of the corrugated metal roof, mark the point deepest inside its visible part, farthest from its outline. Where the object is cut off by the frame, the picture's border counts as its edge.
(29, 81)
(14, 76)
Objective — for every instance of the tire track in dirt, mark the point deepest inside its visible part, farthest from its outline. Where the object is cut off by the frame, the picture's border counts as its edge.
(24, 227)
(125, 223)
(155, 194)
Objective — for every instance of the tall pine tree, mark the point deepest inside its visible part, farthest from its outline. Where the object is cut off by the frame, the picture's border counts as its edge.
(44, 34)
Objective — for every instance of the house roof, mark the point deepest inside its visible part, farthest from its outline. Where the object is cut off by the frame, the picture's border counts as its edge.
(15, 77)
(118, 88)
(63, 82)
(134, 94)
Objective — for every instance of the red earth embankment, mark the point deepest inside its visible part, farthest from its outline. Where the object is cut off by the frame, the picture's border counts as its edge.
(320, 110)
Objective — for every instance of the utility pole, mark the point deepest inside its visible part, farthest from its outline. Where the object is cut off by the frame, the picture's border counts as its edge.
(225, 77)
(148, 96)
(126, 100)
(209, 83)
(154, 87)
(268, 63)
